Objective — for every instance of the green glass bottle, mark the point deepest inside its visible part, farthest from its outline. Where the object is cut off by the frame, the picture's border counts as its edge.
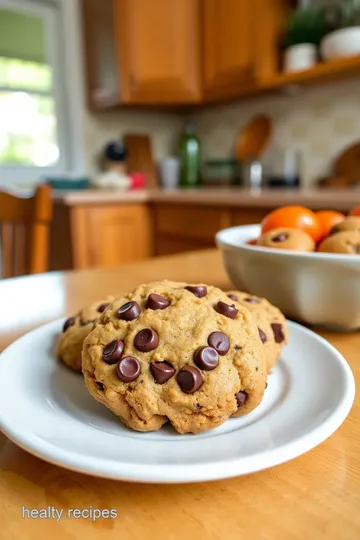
(189, 157)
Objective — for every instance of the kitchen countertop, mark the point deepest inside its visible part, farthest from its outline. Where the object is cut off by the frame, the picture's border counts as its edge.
(335, 199)
(314, 496)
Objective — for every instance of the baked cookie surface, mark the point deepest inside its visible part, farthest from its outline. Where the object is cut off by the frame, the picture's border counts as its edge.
(75, 330)
(345, 242)
(291, 239)
(175, 352)
(350, 223)
(271, 324)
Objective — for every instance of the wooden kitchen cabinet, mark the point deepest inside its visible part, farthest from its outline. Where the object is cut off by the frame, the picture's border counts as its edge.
(247, 216)
(100, 236)
(159, 50)
(228, 46)
(144, 52)
(102, 66)
(184, 227)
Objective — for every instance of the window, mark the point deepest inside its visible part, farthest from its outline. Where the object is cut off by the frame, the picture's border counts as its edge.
(35, 131)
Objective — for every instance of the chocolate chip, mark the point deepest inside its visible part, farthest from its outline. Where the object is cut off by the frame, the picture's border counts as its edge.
(128, 368)
(69, 322)
(241, 398)
(102, 307)
(226, 310)
(206, 358)
(335, 230)
(156, 301)
(113, 351)
(129, 311)
(237, 348)
(278, 332)
(198, 291)
(146, 340)
(280, 237)
(252, 300)
(266, 385)
(233, 297)
(100, 385)
(262, 335)
(219, 342)
(189, 379)
(161, 371)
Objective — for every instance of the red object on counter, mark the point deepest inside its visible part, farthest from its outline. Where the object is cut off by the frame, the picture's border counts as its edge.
(355, 211)
(138, 180)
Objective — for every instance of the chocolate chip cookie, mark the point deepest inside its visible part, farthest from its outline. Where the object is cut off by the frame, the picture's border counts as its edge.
(351, 223)
(75, 330)
(345, 242)
(292, 239)
(271, 324)
(175, 352)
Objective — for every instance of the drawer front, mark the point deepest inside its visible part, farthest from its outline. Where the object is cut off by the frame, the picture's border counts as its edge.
(169, 245)
(108, 236)
(248, 216)
(191, 222)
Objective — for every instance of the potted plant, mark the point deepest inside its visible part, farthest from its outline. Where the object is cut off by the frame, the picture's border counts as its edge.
(344, 40)
(305, 30)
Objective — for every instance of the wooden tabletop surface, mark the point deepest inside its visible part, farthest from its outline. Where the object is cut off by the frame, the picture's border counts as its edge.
(314, 497)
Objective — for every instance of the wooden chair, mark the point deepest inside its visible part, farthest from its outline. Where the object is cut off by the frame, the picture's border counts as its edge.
(24, 232)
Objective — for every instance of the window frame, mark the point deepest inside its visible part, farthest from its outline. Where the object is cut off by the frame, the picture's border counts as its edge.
(64, 56)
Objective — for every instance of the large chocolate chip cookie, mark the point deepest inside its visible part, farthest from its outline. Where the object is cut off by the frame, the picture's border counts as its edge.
(271, 323)
(346, 242)
(75, 330)
(175, 352)
(288, 239)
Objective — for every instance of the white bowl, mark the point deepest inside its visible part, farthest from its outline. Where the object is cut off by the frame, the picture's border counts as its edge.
(320, 289)
(341, 43)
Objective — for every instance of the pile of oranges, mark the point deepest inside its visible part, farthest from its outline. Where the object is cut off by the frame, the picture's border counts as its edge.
(319, 226)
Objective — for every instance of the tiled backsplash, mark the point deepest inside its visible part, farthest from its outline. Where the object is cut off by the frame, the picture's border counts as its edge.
(163, 128)
(321, 122)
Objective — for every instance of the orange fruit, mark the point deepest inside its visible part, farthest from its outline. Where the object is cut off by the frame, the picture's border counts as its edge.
(292, 217)
(327, 219)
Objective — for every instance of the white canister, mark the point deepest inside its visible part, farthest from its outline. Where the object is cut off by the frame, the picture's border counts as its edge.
(169, 169)
(300, 57)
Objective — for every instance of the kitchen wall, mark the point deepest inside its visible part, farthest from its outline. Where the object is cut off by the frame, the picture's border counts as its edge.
(163, 128)
(320, 122)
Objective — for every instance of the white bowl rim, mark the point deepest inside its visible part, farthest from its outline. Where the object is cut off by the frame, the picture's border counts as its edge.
(255, 229)
(341, 31)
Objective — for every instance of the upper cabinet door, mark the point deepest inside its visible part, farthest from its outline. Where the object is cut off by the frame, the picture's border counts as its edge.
(102, 75)
(229, 51)
(159, 50)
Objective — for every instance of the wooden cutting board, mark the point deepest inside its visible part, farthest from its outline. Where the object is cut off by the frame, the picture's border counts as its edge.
(140, 157)
(254, 138)
(347, 164)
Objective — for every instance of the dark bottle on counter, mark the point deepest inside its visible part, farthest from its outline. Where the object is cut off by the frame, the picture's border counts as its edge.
(189, 157)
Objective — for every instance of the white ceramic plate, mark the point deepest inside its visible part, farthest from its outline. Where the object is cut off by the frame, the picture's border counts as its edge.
(46, 410)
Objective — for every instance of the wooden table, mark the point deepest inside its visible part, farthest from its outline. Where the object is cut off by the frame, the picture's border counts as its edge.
(314, 497)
